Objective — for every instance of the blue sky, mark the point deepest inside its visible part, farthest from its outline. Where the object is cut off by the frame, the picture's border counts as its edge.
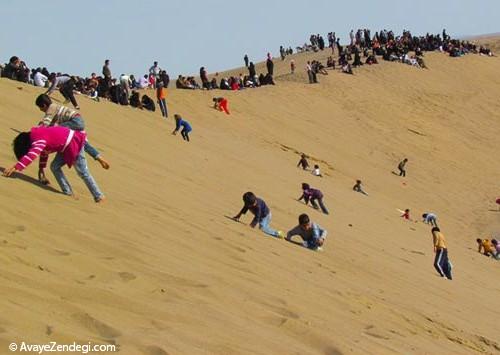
(76, 36)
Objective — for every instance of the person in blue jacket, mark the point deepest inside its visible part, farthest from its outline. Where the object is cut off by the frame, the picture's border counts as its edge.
(186, 127)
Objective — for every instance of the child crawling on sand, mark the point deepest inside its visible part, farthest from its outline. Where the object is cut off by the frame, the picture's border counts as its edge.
(220, 103)
(64, 116)
(69, 146)
(313, 195)
(311, 233)
(261, 212)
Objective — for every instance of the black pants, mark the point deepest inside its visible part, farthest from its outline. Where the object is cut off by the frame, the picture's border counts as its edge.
(67, 92)
(321, 205)
(185, 135)
(442, 264)
(402, 172)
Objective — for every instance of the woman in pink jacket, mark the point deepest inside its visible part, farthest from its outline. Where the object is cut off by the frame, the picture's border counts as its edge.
(68, 145)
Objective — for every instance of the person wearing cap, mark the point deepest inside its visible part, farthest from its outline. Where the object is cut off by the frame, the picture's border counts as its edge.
(312, 234)
(262, 214)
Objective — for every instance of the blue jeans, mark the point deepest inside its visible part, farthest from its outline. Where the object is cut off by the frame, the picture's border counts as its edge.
(264, 226)
(77, 124)
(81, 169)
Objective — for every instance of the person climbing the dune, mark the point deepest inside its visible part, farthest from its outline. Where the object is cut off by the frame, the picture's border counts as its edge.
(313, 236)
(220, 103)
(262, 214)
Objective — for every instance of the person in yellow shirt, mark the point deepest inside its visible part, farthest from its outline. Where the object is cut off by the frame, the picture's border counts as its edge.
(485, 246)
(441, 262)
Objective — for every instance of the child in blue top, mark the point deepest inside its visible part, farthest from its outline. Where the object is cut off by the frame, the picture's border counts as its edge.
(186, 127)
(311, 233)
(261, 212)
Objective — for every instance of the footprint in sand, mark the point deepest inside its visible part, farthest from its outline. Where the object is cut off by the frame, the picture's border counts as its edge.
(331, 350)
(126, 276)
(96, 326)
(15, 229)
(154, 350)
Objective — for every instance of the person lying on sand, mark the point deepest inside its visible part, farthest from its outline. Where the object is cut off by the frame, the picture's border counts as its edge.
(312, 234)
(262, 214)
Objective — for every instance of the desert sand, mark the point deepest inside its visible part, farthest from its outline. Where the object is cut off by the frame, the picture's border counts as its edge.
(160, 269)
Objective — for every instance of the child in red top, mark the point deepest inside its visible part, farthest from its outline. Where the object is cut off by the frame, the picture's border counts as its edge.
(220, 103)
(406, 214)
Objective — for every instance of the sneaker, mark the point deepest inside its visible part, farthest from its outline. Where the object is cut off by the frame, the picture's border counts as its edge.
(280, 235)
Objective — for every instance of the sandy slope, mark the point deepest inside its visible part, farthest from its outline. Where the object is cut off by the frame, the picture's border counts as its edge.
(159, 269)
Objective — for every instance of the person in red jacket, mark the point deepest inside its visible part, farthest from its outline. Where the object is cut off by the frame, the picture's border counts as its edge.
(220, 103)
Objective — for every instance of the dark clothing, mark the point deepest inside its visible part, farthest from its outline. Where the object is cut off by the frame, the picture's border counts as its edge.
(401, 167)
(442, 264)
(313, 195)
(245, 58)
(270, 67)
(106, 72)
(148, 103)
(251, 71)
(163, 107)
(66, 91)
(260, 211)
(303, 162)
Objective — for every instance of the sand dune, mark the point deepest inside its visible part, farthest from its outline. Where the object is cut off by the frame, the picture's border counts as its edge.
(160, 269)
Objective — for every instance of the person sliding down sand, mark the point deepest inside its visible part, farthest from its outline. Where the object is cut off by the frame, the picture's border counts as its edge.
(406, 214)
(68, 145)
(186, 127)
(358, 188)
(309, 193)
(311, 233)
(261, 212)
(64, 116)
(220, 103)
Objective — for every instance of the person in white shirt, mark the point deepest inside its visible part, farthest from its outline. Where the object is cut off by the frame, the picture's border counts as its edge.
(143, 82)
(316, 171)
(125, 84)
(40, 79)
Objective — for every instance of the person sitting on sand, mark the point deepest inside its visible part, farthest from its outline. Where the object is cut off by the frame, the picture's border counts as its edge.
(68, 145)
(347, 69)
(401, 167)
(262, 214)
(220, 103)
(310, 194)
(486, 247)
(312, 234)
(441, 262)
(64, 116)
(358, 188)
(148, 103)
(303, 162)
(430, 218)
(316, 171)
(186, 127)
